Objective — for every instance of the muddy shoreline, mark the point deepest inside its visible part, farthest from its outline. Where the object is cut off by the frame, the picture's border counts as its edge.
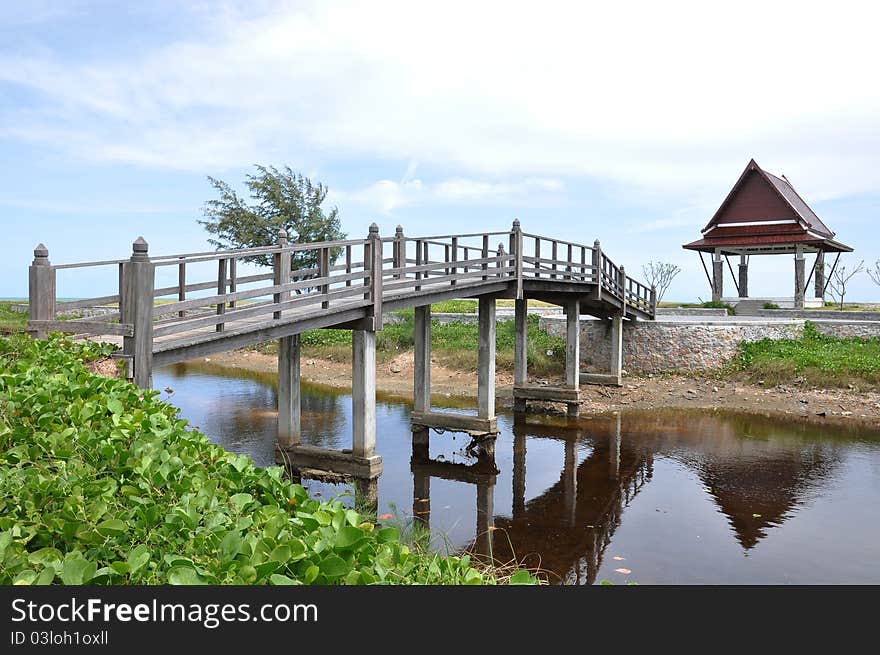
(394, 378)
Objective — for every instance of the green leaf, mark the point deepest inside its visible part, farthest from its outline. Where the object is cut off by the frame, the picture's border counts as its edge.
(348, 537)
(111, 527)
(278, 579)
(334, 566)
(388, 535)
(522, 578)
(76, 570)
(230, 546)
(311, 574)
(185, 575)
(138, 557)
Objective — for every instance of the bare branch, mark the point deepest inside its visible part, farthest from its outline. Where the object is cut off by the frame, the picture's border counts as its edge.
(874, 273)
(840, 279)
(660, 275)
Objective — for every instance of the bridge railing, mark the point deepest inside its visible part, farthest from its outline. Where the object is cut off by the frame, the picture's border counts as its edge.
(205, 289)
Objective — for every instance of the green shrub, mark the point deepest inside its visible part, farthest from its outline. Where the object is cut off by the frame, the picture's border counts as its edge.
(102, 483)
(771, 305)
(717, 304)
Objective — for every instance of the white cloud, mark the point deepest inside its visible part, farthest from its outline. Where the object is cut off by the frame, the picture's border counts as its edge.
(385, 196)
(665, 96)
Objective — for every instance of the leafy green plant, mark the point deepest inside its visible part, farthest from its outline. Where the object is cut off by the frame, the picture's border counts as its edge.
(771, 305)
(817, 358)
(717, 304)
(102, 483)
(11, 321)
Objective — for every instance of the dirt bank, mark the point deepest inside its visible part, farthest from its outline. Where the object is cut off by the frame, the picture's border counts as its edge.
(652, 392)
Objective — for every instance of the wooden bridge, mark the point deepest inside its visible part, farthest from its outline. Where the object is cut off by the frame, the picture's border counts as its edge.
(350, 285)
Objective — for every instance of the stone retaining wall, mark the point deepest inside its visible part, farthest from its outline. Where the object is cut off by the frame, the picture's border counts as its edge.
(818, 314)
(658, 346)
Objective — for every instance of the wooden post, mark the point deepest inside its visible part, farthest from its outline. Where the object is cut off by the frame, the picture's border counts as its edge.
(181, 285)
(717, 276)
(418, 286)
(520, 349)
(653, 300)
(486, 359)
(597, 269)
(485, 255)
(233, 274)
(399, 253)
(500, 264)
(622, 283)
(282, 270)
(743, 276)
(819, 289)
(348, 263)
(568, 265)
(375, 244)
(537, 257)
(555, 257)
(324, 272)
(363, 393)
(422, 359)
(221, 290)
(121, 287)
(140, 275)
(516, 249)
(289, 394)
(799, 272)
(41, 290)
(454, 258)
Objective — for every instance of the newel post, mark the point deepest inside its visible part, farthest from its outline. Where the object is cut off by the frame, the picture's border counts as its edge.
(653, 301)
(281, 266)
(516, 249)
(137, 310)
(375, 267)
(597, 262)
(41, 290)
(622, 284)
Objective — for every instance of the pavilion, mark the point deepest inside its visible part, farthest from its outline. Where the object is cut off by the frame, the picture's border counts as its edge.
(764, 215)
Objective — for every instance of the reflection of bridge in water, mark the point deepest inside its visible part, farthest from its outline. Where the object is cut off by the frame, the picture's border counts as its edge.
(571, 523)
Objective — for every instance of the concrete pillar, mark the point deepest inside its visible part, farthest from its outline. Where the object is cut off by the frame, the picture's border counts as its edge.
(799, 278)
(820, 275)
(486, 359)
(520, 349)
(519, 473)
(614, 451)
(140, 275)
(572, 344)
(366, 495)
(743, 276)
(617, 345)
(569, 480)
(41, 290)
(289, 396)
(717, 276)
(363, 393)
(485, 517)
(422, 369)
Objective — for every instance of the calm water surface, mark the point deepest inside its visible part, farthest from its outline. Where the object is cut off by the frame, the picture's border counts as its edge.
(672, 497)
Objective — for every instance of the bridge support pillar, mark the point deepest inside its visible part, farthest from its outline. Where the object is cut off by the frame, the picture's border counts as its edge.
(573, 351)
(486, 360)
(569, 480)
(519, 472)
(363, 393)
(485, 517)
(614, 451)
(520, 350)
(422, 363)
(617, 346)
(289, 397)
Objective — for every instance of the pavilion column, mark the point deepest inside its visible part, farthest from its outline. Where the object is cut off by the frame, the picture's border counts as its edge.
(799, 269)
(820, 275)
(717, 276)
(743, 276)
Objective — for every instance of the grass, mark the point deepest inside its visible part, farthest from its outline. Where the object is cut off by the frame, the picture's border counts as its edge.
(11, 321)
(814, 359)
(453, 345)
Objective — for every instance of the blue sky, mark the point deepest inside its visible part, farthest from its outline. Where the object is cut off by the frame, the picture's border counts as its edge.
(583, 120)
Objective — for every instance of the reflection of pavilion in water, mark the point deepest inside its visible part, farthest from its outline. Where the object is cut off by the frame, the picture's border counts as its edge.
(570, 524)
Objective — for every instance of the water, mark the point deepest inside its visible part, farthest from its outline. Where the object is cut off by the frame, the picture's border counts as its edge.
(673, 497)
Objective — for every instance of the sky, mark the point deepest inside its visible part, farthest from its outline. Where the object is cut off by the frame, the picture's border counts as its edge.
(626, 122)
